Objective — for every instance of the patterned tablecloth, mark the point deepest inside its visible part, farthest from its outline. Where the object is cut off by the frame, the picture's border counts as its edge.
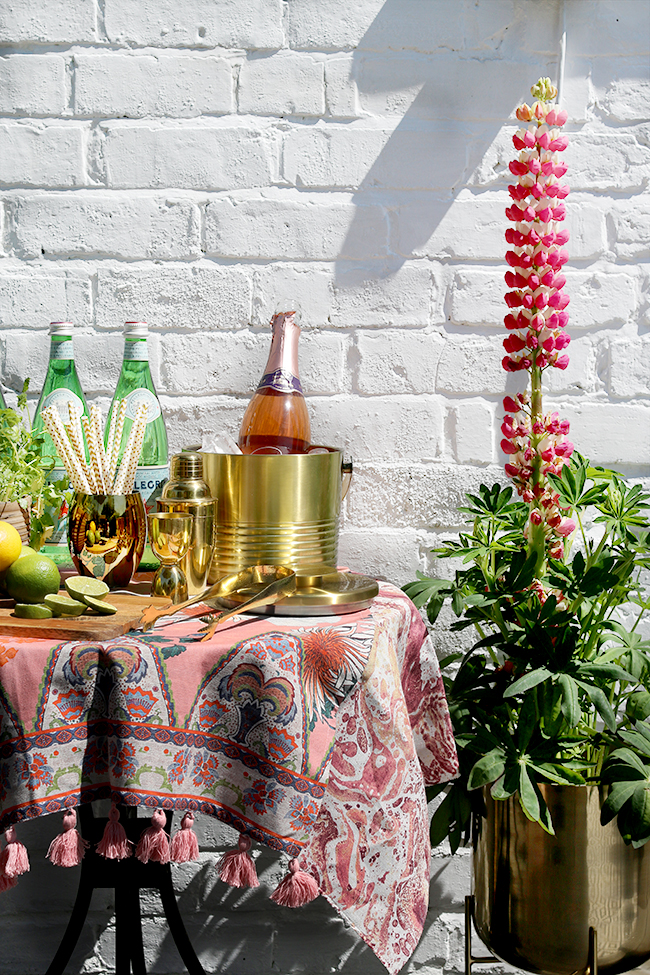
(315, 736)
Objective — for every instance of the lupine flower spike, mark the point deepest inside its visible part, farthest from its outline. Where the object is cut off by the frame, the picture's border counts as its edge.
(536, 443)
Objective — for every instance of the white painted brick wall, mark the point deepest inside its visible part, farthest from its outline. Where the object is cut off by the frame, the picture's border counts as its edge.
(192, 164)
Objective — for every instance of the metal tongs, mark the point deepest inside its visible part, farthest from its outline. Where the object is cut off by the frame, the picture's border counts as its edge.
(277, 581)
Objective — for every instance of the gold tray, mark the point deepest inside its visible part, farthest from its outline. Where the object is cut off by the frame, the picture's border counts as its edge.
(320, 591)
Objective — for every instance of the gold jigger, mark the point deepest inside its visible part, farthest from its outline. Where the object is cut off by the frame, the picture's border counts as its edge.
(196, 563)
(170, 536)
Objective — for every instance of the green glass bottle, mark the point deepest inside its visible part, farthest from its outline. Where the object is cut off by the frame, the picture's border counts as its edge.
(60, 388)
(3, 405)
(136, 386)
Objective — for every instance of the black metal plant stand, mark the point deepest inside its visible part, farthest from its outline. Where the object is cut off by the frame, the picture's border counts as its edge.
(126, 877)
(471, 960)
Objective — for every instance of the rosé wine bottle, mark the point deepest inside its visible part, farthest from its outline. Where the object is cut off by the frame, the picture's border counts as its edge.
(276, 420)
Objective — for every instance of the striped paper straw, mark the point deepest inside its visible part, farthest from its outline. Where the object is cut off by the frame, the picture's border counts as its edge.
(115, 440)
(94, 468)
(56, 430)
(96, 424)
(126, 477)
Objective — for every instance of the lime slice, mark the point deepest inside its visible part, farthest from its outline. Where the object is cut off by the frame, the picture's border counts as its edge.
(79, 587)
(106, 609)
(64, 606)
(32, 611)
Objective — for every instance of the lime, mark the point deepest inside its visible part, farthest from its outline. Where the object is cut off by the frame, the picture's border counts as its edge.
(32, 611)
(106, 609)
(79, 587)
(29, 579)
(10, 545)
(63, 605)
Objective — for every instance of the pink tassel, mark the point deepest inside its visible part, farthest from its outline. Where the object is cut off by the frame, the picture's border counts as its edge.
(114, 845)
(296, 889)
(236, 867)
(13, 859)
(184, 845)
(154, 844)
(67, 849)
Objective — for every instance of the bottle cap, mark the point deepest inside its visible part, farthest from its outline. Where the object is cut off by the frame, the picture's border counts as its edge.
(61, 328)
(136, 329)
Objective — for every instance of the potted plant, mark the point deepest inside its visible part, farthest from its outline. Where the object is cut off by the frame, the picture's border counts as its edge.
(27, 499)
(549, 703)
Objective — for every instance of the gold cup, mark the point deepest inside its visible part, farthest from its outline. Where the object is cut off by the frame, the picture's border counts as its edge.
(170, 535)
(196, 563)
(106, 536)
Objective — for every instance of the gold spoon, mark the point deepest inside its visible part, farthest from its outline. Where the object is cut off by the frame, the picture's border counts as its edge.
(283, 581)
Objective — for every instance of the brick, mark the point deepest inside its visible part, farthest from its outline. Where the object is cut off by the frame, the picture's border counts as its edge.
(383, 553)
(629, 371)
(471, 365)
(505, 27)
(377, 297)
(610, 434)
(283, 84)
(622, 93)
(225, 364)
(341, 95)
(373, 25)
(88, 224)
(391, 361)
(362, 155)
(127, 86)
(62, 22)
(607, 162)
(32, 84)
(44, 155)
(477, 297)
(382, 428)
(208, 157)
(249, 24)
(469, 227)
(99, 360)
(587, 225)
(33, 299)
(307, 286)
(287, 227)
(608, 28)
(471, 433)
(205, 297)
(631, 229)
(436, 88)
(600, 299)
(190, 419)
(582, 374)
(451, 878)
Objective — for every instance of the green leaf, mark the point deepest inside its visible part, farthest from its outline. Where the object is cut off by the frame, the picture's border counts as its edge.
(617, 796)
(600, 702)
(559, 774)
(488, 768)
(636, 740)
(570, 701)
(531, 679)
(528, 796)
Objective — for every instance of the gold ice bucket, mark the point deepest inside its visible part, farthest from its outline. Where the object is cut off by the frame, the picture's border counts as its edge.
(276, 509)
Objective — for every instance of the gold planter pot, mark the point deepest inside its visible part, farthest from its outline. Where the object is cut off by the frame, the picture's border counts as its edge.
(536, 896)
(106, 536)
(275, 509)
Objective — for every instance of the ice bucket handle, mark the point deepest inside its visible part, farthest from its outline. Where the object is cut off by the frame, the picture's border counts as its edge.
(346, 477)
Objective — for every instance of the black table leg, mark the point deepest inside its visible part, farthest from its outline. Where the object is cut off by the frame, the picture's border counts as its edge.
(126, 877)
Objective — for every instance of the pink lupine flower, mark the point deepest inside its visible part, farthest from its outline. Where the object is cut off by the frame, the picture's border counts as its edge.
(536, 444)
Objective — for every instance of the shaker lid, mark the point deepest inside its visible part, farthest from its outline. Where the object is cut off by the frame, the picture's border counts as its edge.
(186, 476)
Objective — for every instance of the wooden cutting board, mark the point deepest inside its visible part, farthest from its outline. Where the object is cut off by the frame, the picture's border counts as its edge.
(91, 626)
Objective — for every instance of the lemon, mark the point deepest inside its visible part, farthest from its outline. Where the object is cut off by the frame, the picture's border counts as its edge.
(10, 545)
(30, 579)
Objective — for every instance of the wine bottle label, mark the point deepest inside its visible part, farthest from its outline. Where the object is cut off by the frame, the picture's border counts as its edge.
(280, 380)
(143, 395)
(61, 350)
(149, 482)
(60, 398)
(136, 351)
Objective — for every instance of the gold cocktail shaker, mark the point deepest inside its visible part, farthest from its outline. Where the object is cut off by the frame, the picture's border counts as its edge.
(186, 492)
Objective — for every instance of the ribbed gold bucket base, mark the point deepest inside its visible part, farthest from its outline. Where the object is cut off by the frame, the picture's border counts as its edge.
(275, 509)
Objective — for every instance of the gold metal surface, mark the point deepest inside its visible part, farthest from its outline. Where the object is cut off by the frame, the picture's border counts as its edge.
(538, 895)
(319, 590)
(276, 509)
(186, 477)
(197, 561)
(106, 536)
(170, 535)
(260, 575)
